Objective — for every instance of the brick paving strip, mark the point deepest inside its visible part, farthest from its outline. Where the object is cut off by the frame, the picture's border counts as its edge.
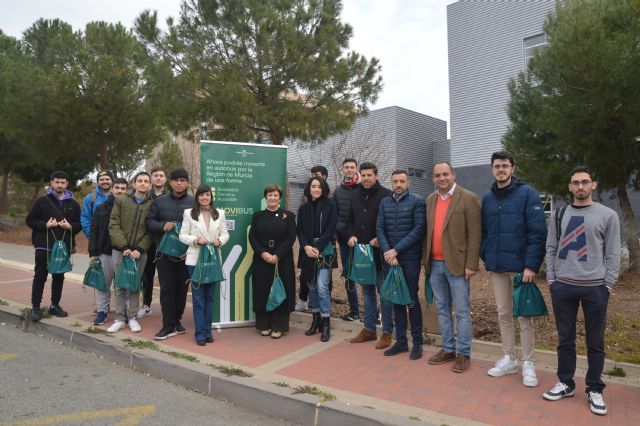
(370, 388)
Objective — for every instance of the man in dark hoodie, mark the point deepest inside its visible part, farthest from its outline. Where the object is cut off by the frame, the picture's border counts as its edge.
(100, 247)
(361, 228)
(54, 216)
(514, 234)
(166, 211)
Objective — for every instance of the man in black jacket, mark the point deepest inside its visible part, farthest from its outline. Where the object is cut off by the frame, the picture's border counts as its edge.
(166, 211)
(54, 216)
(100, 247)
(342, 198)
(361, 228)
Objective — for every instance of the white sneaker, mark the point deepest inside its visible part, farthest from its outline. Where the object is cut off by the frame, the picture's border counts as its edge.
(505, 365)
(301, 306)
(134, 325)
(144, 311)
(116, 326)
(529, 374)
(559, 391)
(596, 403)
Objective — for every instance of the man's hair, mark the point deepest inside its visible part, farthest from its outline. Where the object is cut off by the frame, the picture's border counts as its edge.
(583, 169)
(158, 169)
(120, 181)
(350, 160)
(323, 185)
(320, 169)
(58, 174)
(399, 172)
(369, 166)
(179, 174)
(503, 155)
(443, 162)
(143, 173)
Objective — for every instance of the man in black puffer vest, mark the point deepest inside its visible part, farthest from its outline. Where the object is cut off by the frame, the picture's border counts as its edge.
(166, 211)
(54, 216)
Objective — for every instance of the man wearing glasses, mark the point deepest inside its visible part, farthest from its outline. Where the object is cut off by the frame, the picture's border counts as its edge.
(583, 262)
(514, 233)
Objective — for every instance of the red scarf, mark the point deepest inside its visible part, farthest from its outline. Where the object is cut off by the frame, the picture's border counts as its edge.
(352, 182)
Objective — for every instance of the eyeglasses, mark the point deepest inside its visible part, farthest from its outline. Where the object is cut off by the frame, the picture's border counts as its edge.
(580, 182)
(501, 166)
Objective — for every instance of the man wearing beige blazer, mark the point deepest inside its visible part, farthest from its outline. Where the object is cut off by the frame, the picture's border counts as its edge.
(451, 253)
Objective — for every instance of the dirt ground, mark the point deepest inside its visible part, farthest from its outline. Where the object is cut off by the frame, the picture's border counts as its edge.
(623, 324)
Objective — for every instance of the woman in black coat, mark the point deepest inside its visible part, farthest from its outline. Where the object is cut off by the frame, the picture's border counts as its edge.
(272, 234)
(317, 220)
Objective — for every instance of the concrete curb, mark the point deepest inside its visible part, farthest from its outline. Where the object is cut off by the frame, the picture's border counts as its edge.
(253, 394)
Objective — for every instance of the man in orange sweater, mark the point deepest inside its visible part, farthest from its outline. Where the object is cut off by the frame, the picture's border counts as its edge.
(451, 254)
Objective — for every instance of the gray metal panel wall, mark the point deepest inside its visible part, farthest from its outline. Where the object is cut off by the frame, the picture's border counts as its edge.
(485, 51)
(417, 134)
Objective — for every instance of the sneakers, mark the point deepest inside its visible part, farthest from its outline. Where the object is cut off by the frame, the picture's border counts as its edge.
(302, 305)
(596, 403)
(265, 333)
(116, 326)
(276, 334)
(165, 333)
(529, 374)
(442, 357)
(144, 311)
(462, 364)
(57, 311)
(505, 365)
(396, 349)
(559, 391)
(101, 318)
(364, 336)
(36, 315)
(180, 329)
(134, 326)
(351, 316)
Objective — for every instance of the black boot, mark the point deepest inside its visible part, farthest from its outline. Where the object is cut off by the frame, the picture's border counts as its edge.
(315, 325)
(326, 330)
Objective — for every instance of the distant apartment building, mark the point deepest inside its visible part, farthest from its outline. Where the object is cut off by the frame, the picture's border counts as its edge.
(392, 138)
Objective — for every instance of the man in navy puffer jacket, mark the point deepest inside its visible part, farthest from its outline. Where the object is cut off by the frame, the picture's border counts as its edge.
(400, 230)
(513, 241)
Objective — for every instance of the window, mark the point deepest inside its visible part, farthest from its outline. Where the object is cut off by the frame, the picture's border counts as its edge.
(421, 173)
(532, 45)
(297, 185)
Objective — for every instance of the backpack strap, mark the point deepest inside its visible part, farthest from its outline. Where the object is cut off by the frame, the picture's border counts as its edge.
(559, 214)
(92, 201)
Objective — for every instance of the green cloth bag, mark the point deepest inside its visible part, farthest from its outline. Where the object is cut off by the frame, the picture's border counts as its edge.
(170, 243)
(58, 260)
(277, 294)
(429, 291)
(94, 277)
(127, 276)
(394, 288)
(527, 299)
(362, 265)
(208, 268)
(329, 249)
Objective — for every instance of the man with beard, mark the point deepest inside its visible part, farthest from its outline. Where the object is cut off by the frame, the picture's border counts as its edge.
(94, 199)
(54, 216)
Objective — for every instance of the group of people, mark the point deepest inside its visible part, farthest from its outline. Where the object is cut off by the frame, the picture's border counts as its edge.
(447, 234)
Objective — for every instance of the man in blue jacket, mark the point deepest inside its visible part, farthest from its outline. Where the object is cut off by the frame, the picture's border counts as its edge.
(514, 235)
(94, 199)
(400, 227)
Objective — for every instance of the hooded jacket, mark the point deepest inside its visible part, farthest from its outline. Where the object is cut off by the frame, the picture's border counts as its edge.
(128, 224)
(49, 206)
(89, 208)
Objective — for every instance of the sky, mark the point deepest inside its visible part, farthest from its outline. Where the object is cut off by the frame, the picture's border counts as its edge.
(409, 37)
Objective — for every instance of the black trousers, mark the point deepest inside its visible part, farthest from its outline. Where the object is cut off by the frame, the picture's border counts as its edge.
(173, 278)
(275, 320)
(148, 275)
(39, 279)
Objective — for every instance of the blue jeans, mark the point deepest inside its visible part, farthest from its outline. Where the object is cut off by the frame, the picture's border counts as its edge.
(411, 271)
(371, 307)
(451, 290)
(202, 300)
(319, 297)
(350, 286)
(566, 299)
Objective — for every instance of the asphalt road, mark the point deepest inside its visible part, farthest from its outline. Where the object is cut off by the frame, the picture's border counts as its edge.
(44, 382)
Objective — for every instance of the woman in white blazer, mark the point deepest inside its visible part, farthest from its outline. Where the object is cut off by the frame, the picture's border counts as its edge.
(203, 224)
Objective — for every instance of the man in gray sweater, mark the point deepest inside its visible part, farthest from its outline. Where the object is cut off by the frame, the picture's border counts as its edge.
(583, 262)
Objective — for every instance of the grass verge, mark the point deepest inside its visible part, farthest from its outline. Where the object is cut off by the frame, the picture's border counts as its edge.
(325, 396)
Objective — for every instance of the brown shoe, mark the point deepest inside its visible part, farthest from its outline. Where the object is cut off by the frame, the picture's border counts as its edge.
(364, 336)
(442, 357)
(462, 364)
(384, 342)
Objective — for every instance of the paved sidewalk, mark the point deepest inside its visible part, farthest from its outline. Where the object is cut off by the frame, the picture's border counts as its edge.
(358, 375)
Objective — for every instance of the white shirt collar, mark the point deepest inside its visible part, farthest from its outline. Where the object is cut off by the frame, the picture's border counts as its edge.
(449, 194)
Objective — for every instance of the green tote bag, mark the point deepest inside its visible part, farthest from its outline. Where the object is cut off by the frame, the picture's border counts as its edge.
(362, 265)
(277, 294)
(394, 288)
(127, 276)
(527, 299)
(94, 277)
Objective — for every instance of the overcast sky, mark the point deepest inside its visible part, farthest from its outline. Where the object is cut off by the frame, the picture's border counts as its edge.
(408, 36)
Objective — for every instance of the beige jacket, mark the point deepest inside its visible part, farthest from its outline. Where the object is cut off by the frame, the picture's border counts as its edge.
(192, 229)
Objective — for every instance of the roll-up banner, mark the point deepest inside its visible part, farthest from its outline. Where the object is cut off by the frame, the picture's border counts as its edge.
(238, 174)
